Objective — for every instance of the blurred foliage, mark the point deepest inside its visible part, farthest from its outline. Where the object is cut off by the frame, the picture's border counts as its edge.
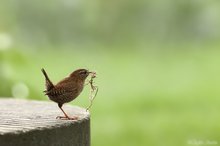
(157, 64)
(118, 21)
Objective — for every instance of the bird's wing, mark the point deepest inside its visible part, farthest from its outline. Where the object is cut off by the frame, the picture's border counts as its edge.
(60, 91)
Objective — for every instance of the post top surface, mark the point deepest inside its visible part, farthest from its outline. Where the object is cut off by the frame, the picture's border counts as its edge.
(18, 116)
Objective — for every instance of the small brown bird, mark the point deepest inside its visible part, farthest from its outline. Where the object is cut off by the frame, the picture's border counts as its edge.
(67, 89)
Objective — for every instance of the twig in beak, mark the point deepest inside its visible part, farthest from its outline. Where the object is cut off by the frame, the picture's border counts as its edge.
(93, 91)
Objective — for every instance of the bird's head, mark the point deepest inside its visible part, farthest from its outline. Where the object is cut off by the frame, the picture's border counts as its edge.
(80, 73)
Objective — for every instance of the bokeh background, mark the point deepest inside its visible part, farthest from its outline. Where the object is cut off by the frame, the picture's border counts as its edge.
(158, 64)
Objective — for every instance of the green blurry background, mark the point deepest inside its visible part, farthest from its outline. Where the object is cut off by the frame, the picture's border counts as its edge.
(158, 64)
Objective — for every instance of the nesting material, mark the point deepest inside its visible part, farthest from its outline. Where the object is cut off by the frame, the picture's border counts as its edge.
(93, 90)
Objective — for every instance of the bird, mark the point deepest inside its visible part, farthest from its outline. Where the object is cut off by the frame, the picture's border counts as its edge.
(66, 90)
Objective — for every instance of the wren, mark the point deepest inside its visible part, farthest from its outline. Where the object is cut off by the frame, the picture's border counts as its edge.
(66, 90)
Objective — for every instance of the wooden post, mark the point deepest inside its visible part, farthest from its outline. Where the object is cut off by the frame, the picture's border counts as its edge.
(34, 123)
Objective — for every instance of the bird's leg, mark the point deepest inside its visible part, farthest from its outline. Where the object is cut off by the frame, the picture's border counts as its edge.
(66, 116)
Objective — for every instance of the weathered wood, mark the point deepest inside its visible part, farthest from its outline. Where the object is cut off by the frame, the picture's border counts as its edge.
(34, 123)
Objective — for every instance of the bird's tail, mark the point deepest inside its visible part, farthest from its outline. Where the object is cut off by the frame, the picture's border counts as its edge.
(49, 85)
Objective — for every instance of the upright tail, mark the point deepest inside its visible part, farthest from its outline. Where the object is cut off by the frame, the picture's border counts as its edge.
(49, 85)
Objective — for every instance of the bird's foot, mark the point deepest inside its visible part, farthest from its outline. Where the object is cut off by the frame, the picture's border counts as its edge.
(66, 118)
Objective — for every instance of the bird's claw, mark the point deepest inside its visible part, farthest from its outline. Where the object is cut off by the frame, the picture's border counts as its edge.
(66, 118)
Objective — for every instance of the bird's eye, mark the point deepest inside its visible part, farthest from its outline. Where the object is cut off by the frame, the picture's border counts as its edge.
(83, 72)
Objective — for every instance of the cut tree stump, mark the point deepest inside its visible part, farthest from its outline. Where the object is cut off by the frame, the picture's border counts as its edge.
(34, 123)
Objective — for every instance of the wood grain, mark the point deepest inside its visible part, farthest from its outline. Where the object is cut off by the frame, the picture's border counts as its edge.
(20, 118)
